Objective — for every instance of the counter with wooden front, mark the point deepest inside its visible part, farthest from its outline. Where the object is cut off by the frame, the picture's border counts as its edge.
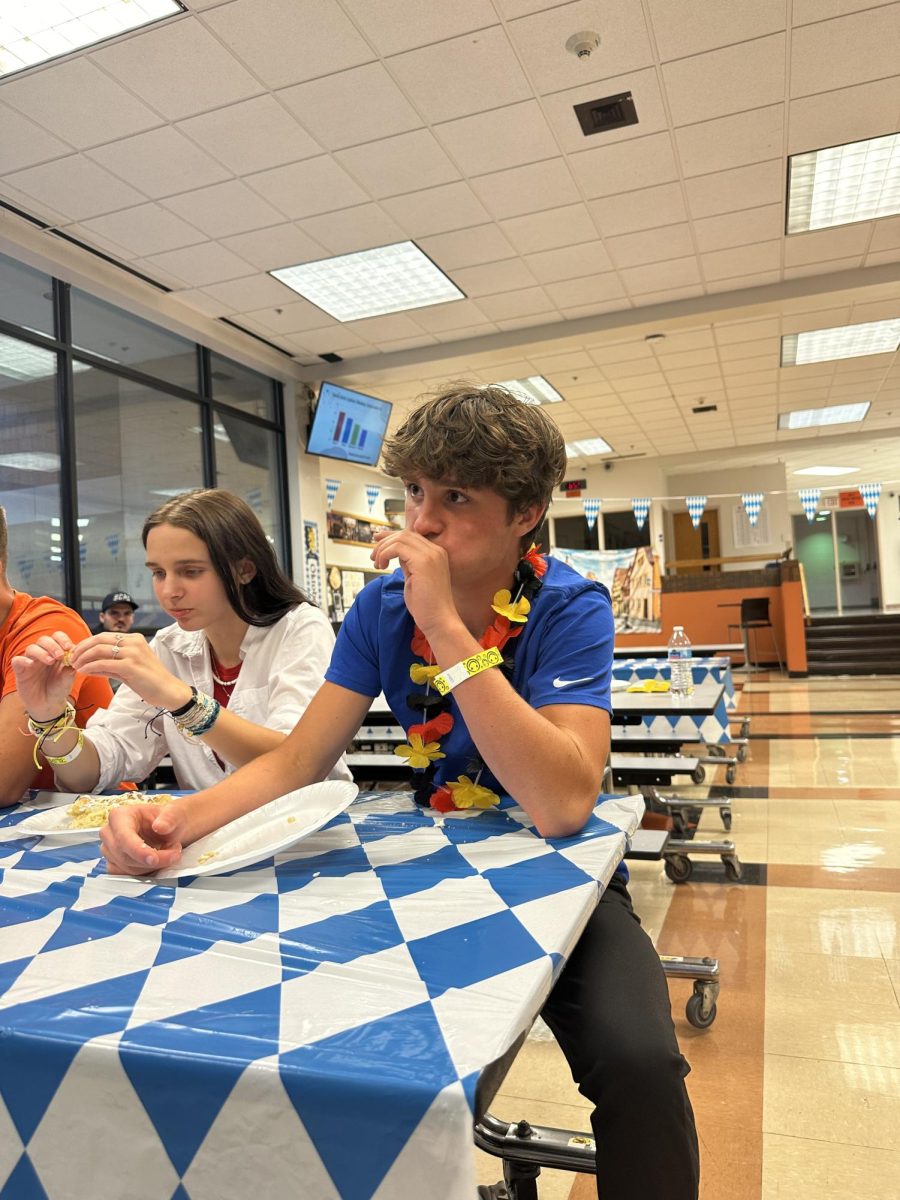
(707, 603)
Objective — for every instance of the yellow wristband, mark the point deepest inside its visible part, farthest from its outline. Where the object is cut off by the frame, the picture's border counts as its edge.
(447, 680)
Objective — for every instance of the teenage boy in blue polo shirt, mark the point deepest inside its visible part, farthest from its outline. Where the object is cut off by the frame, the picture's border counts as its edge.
(497, 662)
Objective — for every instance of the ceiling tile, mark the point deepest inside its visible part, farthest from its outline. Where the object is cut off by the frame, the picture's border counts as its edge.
(393, 26)
(201, 302)
(569, 262)
(846, 115)
(591, 288)
(251, 136)
(740, 228)
(731, 141)
(625, 166)
(297, 316)
(91, 237)
(758, 331)
(201, 265)
(515, 304)
(25, 143)
(682, 29)
(278, 246)
(730, 80)
(404, 163)
(330, 340)
(654, 245)
(353, 229)
(224, 209)
(493, 141)
(318, 185)
(540, 40)
(824, 244)
(76, 187)
(823, 268)
(507, 276)
(31, 205)
(519, 190)
(467, 247)
(845, 51)
(529, 322)
(251, 293)
(547, 230)
(160, 162)
(390, 328)
(741, 260)
(436, 210)
(104, 111)
(646, 209)
(179, 69)
(352, 107)
(147, 229)
(462, 76)
(288, 41)
(886, 235)
(458, 314)
(805, 11)
(680, 272)
(737, 189)
(740, 282)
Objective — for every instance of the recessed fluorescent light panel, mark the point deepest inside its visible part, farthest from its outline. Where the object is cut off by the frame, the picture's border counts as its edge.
(841, 341)
(842, 184)
(533, 390)
(28, 460)
(827, 471)
(371, 283)
(589, 446)
(834, 414)
(33, 33)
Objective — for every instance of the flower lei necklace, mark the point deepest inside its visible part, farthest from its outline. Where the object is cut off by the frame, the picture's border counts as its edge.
(424, 748)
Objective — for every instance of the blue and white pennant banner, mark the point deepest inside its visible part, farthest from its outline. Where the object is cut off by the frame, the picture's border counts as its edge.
(752, 502)
(695, 506)
(640, 506)
(809, 501)
(591, 511)
(871, 494)
(332, 487)
(373, 491)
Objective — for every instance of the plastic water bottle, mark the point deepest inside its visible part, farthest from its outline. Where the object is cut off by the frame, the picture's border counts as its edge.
(682, 680)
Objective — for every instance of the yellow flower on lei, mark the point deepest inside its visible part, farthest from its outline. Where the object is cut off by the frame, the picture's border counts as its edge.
(467, 794)
(419, 754)
(419, 673)
(503, 604)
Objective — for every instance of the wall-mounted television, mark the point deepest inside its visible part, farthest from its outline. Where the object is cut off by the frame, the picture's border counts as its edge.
(348, 425)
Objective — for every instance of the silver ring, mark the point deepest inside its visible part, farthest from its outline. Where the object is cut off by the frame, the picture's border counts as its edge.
(115, 650)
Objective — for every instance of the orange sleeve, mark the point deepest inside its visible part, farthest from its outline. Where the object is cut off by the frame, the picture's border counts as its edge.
(88, 692)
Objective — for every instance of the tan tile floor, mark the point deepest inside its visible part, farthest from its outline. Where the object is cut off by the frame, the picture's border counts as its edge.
(796, 1086)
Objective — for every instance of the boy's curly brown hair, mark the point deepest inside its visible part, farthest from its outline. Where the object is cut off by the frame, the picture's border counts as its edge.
(481, 437)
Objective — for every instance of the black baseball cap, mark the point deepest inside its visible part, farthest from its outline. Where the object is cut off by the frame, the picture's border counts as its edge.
(118, 598)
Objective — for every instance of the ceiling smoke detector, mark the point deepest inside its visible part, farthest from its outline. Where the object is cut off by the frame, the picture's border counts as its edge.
(582, 45)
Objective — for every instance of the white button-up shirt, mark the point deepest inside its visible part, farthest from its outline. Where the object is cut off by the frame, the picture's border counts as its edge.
(283, 666)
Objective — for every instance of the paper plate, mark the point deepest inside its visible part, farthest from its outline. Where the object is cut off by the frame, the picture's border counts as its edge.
(49, 817)
(274, 827)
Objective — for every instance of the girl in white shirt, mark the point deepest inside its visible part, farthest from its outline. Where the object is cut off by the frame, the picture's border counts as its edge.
(221, 686)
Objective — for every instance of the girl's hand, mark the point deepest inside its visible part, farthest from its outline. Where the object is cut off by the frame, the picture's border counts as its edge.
(142, 838)
(128, 657)
(44, 676)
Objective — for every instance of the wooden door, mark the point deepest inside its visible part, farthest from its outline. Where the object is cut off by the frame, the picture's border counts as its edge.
(702, 542)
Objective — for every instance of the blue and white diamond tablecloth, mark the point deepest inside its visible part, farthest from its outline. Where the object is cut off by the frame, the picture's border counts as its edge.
(312, 1026)
(712, 728)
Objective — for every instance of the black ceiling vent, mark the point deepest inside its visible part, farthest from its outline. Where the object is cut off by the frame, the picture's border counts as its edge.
(702, 408)
(601, 116)
(331, 358)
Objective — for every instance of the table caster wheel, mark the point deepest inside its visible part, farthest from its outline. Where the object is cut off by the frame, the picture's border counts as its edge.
(679, 868)
(699, 774)
(730, 774)
(733, 869)
(725, 814)
(693, 1010)
(742, 754)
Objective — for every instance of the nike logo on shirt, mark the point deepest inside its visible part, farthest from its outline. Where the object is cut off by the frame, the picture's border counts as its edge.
(561, 683)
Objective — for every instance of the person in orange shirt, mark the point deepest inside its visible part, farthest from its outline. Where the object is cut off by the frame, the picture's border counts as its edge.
(23, 619)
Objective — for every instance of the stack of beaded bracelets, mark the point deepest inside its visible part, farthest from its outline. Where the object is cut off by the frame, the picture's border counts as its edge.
(197, 716)
(53, 728)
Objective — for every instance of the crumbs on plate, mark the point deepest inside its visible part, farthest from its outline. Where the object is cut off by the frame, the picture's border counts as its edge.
(207, 857)
(90, 812)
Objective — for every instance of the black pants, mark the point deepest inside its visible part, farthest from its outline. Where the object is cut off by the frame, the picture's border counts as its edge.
(610, 1013)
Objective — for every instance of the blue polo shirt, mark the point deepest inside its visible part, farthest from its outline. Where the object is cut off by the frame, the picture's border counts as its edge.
(562, 656)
